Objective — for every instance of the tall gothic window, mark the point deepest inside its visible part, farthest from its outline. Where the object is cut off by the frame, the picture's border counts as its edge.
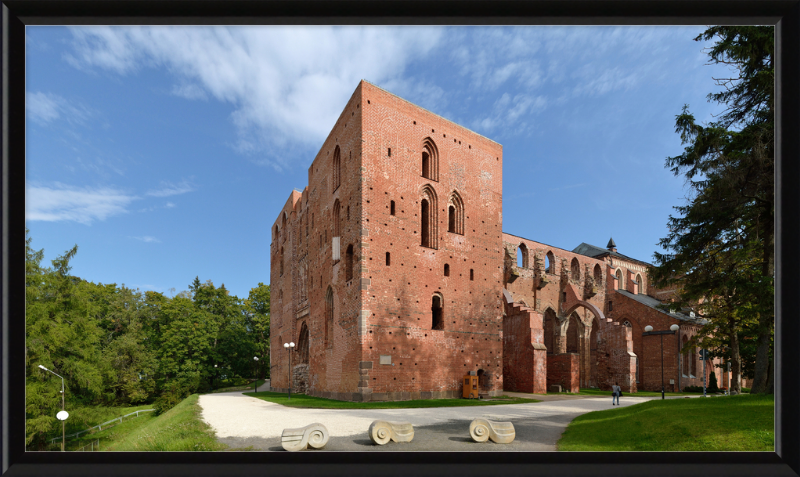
(337, 168)
(430, 160)
(437, 312)
(522, 256)
(455, 214)
(349, 263)
(428, 218)
(575, 269)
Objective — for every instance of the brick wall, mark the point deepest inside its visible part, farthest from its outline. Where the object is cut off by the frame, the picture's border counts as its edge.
(564, 369)
(524, 354)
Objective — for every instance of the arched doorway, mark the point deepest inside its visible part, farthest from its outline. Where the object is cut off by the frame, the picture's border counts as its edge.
(300, 370)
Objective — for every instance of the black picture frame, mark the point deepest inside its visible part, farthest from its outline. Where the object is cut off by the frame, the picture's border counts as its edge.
(16, 14)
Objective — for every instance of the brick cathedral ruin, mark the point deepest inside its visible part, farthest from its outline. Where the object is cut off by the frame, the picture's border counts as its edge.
(392, 274)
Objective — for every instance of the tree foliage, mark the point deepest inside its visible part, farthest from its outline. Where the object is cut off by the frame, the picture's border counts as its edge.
(118, 346)
(720, 248)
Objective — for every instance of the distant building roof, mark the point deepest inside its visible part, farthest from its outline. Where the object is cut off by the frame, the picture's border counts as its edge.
(596, 252)
(653, 303)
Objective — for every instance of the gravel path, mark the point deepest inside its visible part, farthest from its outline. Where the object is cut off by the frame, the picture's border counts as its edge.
(242, 421)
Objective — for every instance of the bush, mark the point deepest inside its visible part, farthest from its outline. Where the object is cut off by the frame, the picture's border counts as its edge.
(745, 390)
(712, 387)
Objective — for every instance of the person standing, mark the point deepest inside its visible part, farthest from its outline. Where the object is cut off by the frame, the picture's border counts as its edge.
(615, 391)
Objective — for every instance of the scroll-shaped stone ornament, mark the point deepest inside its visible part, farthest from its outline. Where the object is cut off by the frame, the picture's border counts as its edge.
(380, 432)
(314, 435)
(500, 432)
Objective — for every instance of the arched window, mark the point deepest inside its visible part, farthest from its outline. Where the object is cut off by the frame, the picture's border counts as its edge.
(627, 323)
(349, 263)
(573, 331)
(638, 287)
(430, 160)
(275, 233)
(549, 330)
(455, 211)
(618, 280)
(575, 269)
(598, 275)
(283, 227)
(437, 312)
(302, 345)
(428, 218)
(336, 220)
(281, 259)
(329, 316)
(522, 256)
(550, 263)
(337, 168)
(446, 270)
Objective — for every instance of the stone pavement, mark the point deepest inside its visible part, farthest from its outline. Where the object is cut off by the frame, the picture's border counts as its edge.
(242, 421)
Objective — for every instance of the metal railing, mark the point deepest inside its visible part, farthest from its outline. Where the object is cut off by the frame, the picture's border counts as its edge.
(95, 446)
(118, 420)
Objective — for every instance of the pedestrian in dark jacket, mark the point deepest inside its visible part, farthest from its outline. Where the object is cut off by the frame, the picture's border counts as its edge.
(615, 392)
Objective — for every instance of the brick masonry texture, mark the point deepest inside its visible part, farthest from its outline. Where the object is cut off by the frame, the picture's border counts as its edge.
(426, 287)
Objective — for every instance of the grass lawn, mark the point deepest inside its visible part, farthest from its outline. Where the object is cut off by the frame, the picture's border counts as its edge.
(179, 429)
(729, 423)
(598, 392)
(301, 400)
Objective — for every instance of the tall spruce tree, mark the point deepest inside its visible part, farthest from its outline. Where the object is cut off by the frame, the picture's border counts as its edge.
(720, 249)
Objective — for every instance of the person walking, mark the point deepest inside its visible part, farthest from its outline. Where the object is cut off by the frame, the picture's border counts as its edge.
(615, 391)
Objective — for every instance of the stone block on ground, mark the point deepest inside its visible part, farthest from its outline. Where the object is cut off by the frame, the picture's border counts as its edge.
(555, 388)
(500, 432)
(381, 432)
(315, 435)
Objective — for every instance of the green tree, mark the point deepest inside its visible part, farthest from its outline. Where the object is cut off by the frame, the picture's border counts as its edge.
(728, 165)
(257, 308)
(62, 335)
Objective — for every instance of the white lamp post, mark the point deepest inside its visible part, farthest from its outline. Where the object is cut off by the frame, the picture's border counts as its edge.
(255, 360)
(289, 347)
(63, 415)
(649, 331)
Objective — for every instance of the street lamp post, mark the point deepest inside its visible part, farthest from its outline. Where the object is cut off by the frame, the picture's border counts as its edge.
(289, 347)
(63, 415)
(255, 360)
(649, 331)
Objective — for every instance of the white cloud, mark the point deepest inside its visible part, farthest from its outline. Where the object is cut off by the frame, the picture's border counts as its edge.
(287, 84)
(65, 203)
(167, 189)
(43, 108)
(508, 112)
(147, 239)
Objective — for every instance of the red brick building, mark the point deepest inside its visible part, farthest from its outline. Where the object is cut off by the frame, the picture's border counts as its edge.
(392, 275)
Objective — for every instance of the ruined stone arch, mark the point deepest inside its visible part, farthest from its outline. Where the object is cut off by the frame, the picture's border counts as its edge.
(455, 214)
(522, 256)
(574, 331)
(619, 279)
(639, 284)
(337, 168)
(429, 233)
(550, 327)
(430, 160)
(302, 344)
(550, 262)
(598, 274)
(575, 269)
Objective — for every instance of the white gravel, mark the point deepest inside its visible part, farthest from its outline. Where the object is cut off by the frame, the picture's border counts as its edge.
(235, 415)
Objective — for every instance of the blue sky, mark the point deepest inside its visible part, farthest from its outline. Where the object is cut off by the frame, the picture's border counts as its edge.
(166, 153)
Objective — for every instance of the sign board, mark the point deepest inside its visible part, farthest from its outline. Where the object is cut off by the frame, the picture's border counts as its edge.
(386, 359)
(703, 354)
(62, 415)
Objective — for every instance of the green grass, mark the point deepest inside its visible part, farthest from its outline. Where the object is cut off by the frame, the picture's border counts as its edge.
(303, 401)
(727, 423)
(598, 392)
(179, 429)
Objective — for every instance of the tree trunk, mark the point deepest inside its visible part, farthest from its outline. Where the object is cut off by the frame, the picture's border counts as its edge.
(766, 321)
(735, 386)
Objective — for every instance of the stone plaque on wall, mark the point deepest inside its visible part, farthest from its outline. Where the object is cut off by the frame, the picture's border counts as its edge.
(386, 359)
